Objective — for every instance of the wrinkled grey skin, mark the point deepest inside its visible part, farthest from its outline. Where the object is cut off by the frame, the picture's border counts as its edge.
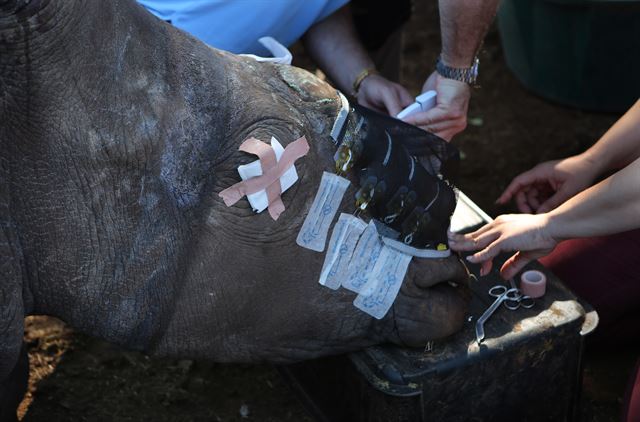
(117, 132)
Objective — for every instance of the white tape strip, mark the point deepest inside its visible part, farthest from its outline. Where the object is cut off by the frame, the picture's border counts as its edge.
(280, 53)
(388, 274)
(313, 234)
(410, 250)
(363, 259)
(344, 238)
(388, 236)
(341, 119)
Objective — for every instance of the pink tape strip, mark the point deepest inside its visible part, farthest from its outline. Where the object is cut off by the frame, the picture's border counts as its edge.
(296, 149)
(267, 157)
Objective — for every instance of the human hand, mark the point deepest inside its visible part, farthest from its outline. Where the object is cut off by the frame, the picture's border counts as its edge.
(526, 234)
(549, 184)
(449, 116)
(379, 93)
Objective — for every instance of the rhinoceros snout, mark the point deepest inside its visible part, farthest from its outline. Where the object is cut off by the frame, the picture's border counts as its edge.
(432, 302)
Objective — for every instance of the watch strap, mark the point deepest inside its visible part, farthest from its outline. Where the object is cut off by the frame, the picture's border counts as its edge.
(463, 74)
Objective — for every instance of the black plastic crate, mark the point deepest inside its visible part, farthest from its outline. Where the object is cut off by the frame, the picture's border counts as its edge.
(527, 369)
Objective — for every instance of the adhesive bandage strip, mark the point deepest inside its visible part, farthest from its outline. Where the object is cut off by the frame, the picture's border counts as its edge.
(267, 158)
(292, 152)
(386, 280)
(410, 250)
(261, 200)
(363, 259)
(340, 119)
(344, 238)
(313, 234)
(388, 236)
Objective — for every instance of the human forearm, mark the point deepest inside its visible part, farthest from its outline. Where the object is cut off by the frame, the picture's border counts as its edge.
(334, 45)
(611, 206)
(620, 145)
(464, 23)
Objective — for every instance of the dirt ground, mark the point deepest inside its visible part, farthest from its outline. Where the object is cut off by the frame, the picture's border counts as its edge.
(74, 377)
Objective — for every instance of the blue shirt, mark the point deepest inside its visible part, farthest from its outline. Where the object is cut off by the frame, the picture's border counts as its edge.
(236, 25)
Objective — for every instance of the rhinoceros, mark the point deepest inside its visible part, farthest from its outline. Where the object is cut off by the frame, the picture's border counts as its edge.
(117, 134)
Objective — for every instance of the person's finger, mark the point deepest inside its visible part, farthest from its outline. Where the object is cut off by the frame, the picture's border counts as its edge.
(517, 184)
(429, 117)
(521, 202)
(485, 267)
(455, 237)
(482, 230)
(448, 134)
(490, 252)
(532, 198)
(471, 243)
(551, 203)
(430, 83)
(363, 100)
(391, 100)
(514, 264)
(441, 127)
(404, 96)
(417, 119)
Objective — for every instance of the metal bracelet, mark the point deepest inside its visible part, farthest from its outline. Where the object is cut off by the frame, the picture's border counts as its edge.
(468, 75)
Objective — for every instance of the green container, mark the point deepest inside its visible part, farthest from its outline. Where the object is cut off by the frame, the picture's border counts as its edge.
(581, 53)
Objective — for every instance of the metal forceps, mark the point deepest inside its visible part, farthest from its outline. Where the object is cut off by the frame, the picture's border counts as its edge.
(512, 299)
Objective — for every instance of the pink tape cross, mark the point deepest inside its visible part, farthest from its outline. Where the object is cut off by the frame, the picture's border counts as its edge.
(272, 171)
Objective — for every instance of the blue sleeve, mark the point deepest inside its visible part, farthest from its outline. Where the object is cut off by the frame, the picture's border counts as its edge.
(330, 7)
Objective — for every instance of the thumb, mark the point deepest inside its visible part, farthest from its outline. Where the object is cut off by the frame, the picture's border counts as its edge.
(404, 96)
(558, 198)
(517, 262)
(391, 102)
(429, 117)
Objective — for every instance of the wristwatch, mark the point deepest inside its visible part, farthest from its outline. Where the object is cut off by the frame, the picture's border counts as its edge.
(462, 74)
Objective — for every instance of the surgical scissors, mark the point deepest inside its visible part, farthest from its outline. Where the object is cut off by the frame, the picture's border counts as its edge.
(512, 299)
